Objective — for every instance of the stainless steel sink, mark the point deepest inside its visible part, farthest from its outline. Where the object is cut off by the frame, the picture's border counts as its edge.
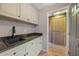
(9, 41)
(12, 41)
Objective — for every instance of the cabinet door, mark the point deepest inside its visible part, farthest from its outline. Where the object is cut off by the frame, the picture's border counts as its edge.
(16, 51)
(19, 50)
(29, 49)
(29, 13)
(34, 15)
(33, 47)
(37, 45)
(40, 43)
(10, 9)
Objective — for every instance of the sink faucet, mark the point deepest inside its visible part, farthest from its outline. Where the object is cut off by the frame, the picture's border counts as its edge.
(13, 31)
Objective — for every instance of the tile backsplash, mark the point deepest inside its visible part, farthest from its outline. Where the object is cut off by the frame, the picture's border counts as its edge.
(21, 28)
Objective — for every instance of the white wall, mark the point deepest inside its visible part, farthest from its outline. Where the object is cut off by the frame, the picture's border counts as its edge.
(43, 21)
(21, 28)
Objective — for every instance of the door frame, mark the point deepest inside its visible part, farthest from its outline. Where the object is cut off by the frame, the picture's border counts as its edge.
(67, 26)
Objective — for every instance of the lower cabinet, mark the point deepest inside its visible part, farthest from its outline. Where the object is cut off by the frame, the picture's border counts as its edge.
(38, 45)
(31, 48)
(16, 51)
(34, 47)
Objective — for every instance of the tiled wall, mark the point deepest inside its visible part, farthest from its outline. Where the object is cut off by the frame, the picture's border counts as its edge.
(21, 28)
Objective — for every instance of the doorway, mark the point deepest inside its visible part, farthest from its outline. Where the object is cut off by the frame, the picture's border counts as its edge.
(57, 34)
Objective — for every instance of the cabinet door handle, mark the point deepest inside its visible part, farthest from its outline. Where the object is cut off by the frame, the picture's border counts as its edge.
(26, 54)
(18, 16)
(14, 53)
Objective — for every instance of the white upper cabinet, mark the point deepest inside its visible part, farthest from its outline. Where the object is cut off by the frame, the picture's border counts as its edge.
(10, 9)
(23, 12)
(29, 13)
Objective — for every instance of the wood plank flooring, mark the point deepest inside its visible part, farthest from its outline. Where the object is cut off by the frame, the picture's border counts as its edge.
(56, 52)
(53, 51)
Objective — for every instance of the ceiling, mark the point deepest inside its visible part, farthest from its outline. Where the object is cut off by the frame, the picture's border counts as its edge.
(42, 5)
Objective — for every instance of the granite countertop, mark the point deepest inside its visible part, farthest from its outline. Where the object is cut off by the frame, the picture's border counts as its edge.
(27, 38)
